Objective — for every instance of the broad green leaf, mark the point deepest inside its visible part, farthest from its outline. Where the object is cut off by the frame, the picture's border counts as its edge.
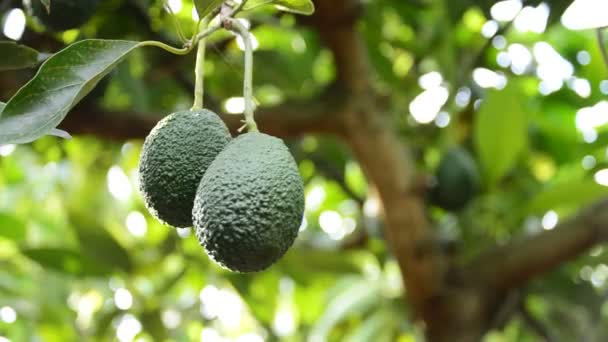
(66, 261)
(573, 193)
(62, 81)
(501, 131)
(204, 7)
(358, 297)
(46, 4)
(11, 227)
(305, 7)
(584, 14)
(15, 56)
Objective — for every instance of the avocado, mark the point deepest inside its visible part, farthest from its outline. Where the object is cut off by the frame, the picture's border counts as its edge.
(174, 157)
(249, 204)
(457, 180)
(64, 14)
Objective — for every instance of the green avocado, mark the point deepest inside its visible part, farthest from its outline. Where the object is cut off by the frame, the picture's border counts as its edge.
(457, 180)
(175, 155)
(249, 204)
(64, 14)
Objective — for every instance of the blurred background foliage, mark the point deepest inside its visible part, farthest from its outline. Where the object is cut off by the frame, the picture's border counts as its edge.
(81, 259)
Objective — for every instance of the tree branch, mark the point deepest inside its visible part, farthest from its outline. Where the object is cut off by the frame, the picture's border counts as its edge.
(383, 155)
(288, 119)
(513, 265)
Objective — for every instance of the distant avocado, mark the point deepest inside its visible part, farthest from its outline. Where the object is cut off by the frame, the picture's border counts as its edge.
(64, 14)
(175, 155)
(457, 180)
(249, 205)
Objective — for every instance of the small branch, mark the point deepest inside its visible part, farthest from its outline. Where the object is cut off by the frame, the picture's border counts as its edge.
(337, 176)
(537, 326)
(602, 45)
(511, 266)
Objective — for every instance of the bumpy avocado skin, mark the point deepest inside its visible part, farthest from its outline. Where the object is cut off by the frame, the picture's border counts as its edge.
(175, 155)
(458, 180)
(65, 14)
(249, 204)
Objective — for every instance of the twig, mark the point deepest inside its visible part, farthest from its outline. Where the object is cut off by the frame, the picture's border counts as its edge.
(602, 45)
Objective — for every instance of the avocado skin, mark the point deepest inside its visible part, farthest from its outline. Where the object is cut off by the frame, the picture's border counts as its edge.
(249, 205)
(174, 157)
(65, 14)
(458, 180)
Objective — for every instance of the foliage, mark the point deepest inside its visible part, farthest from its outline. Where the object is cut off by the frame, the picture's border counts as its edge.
(83, 260)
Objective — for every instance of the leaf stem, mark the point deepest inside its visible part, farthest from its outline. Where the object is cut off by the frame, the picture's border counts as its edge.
(183, 51)
(236, 26)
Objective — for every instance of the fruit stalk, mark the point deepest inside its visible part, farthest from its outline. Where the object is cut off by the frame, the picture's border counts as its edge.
(199, 72)
(237, 27)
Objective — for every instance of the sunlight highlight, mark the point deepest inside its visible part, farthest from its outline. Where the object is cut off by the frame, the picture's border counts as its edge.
(14, 24)
(586, 14)
(601, 177)
(136, 224)
(505, 10)
(175, 5)
(118, 183)
(8, 314)
(425, 107)
(235, 105)
(123, 299)
(550, 220)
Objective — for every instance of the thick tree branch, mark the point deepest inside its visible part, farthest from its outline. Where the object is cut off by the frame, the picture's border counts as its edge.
(288, 119)
(382, 154)
(513, 265)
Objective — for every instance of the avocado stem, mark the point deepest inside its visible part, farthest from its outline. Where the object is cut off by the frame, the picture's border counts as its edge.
(241, 30)
(199, 71)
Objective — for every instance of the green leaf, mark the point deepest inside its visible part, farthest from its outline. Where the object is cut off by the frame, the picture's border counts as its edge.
(571, 193)
(12, 228)
(16, 56)
(98, 244)
(357, 297)
(204, 7)
(501, 131)
(2, 105)
(305, 7)
(584, 15)
(62, 81)
(381, 323)
(66, 261)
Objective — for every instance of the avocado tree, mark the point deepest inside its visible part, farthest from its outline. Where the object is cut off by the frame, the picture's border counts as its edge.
(453, 156)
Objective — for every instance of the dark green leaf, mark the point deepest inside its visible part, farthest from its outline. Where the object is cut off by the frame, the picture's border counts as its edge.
(98, 244)
(66, 261)
(15, 56)
(501, 131)
(62, 81)
(204, 7)
(11, 227)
